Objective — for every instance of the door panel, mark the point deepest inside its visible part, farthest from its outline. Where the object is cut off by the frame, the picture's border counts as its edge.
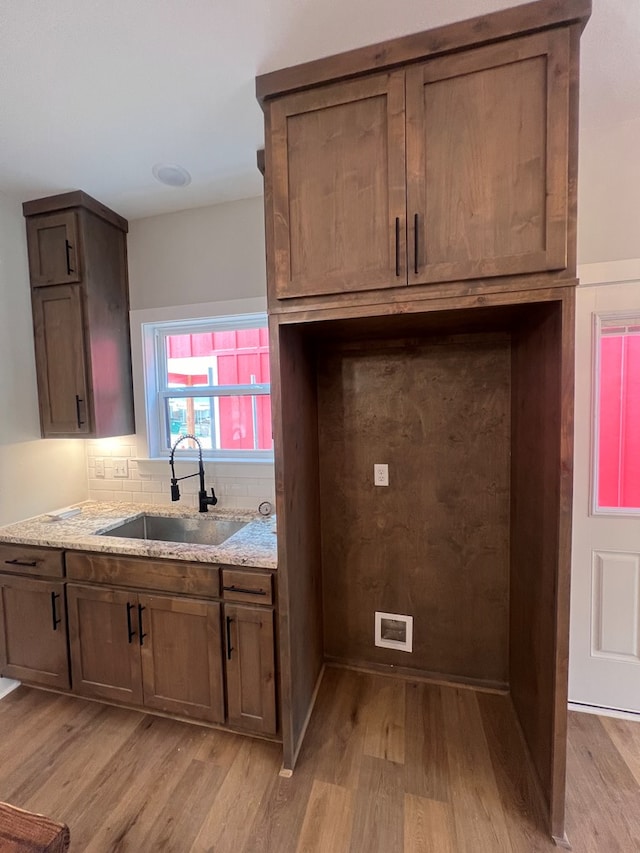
(487, 151)
(33, 631)
(338, 172)
(60, 360)
(251, 701)
(104, 642)
(53, 248)
(182, 656)
(604, 658)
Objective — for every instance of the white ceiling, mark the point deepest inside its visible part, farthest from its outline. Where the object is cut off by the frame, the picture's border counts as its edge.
(93, 93)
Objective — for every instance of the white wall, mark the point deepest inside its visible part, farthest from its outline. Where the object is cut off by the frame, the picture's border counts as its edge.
(609, 193)
(208, 254)
(205, 255)
(35, 475)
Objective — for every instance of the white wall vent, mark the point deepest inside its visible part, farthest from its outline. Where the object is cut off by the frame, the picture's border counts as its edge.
(394, 631)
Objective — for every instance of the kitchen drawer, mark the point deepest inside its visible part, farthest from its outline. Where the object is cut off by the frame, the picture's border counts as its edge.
(201, 579)
(241, 585)
(31, 560)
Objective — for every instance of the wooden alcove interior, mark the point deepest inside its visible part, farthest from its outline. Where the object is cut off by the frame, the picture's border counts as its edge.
(471, 407)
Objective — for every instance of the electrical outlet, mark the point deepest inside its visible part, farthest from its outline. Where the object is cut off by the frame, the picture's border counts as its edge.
(100, 467)
(120, 467)
(380, 475)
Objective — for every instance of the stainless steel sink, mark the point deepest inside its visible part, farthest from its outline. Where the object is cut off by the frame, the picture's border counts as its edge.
(197, 531)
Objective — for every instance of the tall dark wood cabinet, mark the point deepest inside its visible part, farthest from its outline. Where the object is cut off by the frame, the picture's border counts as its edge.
(420, 207)
(80, 298)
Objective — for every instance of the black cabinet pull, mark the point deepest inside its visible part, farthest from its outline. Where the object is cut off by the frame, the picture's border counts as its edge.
(397, 245)
(229, 648)
(17, 562)
(234, 588)
(68, 247)
(79, 419)
(130, 630)
(415, 243)
(142, 634)
(54, 615)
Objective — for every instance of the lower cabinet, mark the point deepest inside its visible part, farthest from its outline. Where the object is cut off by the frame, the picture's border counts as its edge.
(162, 652)
(33, 631)
(250, 668)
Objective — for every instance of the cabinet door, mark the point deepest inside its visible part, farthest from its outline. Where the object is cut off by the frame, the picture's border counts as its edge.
(33, 631)
(60, 360)
(337, 167)
(105, 644)
(250, 668)
(182, 656)
(487, 153)
(54, 256)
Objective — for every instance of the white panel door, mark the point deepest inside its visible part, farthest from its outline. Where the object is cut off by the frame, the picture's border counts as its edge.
(604, 664)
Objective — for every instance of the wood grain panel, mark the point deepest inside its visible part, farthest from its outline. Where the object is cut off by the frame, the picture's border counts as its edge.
(428, 826)
(182, 657)
(487, 160)
(241, 585)
(32, 648)
(541, 483)
(502, 24)
(54, 251)
(327, 823)
(199, 579)
(295, 422)
(434, 544)
(338, 188)
(105, 658)
(29, 560)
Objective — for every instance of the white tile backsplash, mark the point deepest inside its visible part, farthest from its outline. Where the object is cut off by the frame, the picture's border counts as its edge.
(241, 485)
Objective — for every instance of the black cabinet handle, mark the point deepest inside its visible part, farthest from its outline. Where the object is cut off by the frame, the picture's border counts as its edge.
(68, 247)
(397, 245)
(17, 562)
(130, 630)
(234, 588)
(54, 615)
(229, 648)
(78, 401)
(142, 635)
(415, 243)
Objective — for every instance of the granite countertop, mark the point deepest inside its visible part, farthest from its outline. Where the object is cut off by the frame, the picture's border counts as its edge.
(253, 545)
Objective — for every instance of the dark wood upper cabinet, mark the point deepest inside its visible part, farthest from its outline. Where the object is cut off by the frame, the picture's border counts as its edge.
(338, 171)
(487, 148)
(54, 255)
(457, 168)
(80, 298)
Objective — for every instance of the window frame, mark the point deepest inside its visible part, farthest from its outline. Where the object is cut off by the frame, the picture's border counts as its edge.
(152, 328)
(602, 320)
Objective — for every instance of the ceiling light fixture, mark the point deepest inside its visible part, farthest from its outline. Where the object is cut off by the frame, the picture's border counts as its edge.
(171, 175)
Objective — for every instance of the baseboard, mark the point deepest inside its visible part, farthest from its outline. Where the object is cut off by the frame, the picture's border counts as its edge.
(7, 685)
(604, 712)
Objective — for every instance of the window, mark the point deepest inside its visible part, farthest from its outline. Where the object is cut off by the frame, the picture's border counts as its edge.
(210, 378)
(617, 409)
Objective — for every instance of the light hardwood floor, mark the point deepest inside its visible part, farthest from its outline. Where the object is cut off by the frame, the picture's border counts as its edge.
(387, 766)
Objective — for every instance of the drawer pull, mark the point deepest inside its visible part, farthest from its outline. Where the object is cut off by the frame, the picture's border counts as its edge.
(229, 647)
(130, 630)
(142, 633)
(54, 615)
(31, 563)
(234, 588)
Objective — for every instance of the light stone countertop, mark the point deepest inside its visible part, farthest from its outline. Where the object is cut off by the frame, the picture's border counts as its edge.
(253, 545)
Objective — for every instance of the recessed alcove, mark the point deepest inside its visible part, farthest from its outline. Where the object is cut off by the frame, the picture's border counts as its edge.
(469, 407)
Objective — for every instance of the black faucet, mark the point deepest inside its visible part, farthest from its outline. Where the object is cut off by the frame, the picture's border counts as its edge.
(204, 501)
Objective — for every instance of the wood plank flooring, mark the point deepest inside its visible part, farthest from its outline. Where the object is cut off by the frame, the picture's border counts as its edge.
(393, 766)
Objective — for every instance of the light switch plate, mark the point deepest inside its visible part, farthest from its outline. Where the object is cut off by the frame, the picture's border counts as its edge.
(120, 467)
(100, 467)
